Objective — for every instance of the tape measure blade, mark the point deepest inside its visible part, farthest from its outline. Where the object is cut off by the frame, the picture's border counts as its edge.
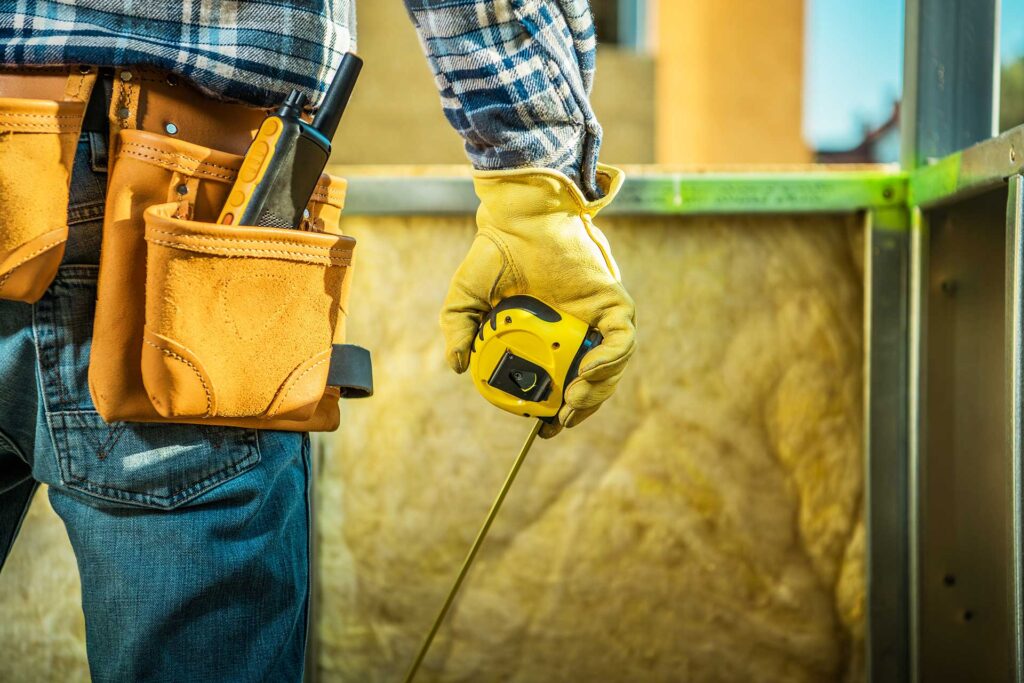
(473, 549)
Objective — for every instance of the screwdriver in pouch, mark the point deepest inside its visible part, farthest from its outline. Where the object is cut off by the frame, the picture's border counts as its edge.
(287, 157)
(524, 356)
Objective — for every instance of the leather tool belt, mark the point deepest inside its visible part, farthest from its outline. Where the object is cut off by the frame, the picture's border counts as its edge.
(40, 119)
(195, 322)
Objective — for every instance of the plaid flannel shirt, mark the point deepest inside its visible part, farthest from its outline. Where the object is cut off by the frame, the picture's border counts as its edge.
(515, 79)
(514, 75)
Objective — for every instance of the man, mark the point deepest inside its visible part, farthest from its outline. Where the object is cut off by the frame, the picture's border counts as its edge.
(214, 587)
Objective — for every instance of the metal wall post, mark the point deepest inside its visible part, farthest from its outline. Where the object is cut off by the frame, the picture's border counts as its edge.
(885, 319)
(951, 77)
(915, 417)
(958, 623)
(965, 507)
(1014, 318)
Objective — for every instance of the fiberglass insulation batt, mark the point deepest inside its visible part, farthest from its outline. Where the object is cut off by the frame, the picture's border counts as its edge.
(705, 525)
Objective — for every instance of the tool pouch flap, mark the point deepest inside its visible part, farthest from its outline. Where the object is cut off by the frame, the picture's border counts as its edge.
(214, 324)
(37, 148)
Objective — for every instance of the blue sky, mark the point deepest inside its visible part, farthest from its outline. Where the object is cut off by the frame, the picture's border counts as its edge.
(853, 67)
(854, 64)
(1011, 38)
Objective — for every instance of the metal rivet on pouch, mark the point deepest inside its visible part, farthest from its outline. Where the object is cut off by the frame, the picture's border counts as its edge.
(84, 69)
(182, 189)
(171, 128)
(172, 80)
(126, 76)
(305, 214)
(123, 113)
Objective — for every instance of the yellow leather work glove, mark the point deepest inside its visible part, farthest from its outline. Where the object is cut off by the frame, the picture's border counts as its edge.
(535, 236)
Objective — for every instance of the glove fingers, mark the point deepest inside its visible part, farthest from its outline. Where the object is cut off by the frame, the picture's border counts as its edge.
(582, 394)
(568, 417)
(550, 430)
(617, 326)
(468, 300)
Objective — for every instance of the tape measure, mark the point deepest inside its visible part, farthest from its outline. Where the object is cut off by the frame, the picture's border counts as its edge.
(524, 356)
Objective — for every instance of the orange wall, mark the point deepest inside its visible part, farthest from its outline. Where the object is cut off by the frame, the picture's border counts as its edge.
(729, 81)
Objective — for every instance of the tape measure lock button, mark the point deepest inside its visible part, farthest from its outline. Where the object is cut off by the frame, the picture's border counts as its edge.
(520, 378)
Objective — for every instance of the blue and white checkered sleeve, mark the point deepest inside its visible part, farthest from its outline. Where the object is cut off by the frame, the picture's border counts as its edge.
(515, 79)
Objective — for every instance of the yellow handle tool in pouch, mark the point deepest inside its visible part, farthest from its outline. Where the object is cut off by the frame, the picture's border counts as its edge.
(287, 156)
(524, 356)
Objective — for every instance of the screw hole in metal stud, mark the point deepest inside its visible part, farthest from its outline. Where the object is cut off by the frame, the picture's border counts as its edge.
(556, 346)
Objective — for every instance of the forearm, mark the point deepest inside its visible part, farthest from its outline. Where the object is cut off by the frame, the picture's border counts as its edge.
(515, 79)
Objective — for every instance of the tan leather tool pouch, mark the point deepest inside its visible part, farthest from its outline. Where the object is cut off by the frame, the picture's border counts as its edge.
(211, 324)
(38, 138)
(239, 320)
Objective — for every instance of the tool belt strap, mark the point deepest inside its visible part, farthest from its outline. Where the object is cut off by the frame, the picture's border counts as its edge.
(351, 370)
(153, 100)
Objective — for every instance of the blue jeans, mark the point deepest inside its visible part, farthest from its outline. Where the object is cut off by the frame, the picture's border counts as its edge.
(192, 542)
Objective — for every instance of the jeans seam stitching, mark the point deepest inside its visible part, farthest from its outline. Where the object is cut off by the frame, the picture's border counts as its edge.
(58, 382)
(85, 213)
(42, 395)
(113, 436)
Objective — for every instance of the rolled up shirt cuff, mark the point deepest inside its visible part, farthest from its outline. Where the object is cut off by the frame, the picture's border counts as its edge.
(572, 150)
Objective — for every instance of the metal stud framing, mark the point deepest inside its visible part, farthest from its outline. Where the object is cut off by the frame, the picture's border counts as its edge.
(886, 330)
(963, 423)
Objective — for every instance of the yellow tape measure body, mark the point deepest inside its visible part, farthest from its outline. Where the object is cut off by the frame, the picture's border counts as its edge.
(525, 354)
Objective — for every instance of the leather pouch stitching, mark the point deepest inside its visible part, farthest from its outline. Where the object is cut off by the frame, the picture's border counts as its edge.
(171, 354)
